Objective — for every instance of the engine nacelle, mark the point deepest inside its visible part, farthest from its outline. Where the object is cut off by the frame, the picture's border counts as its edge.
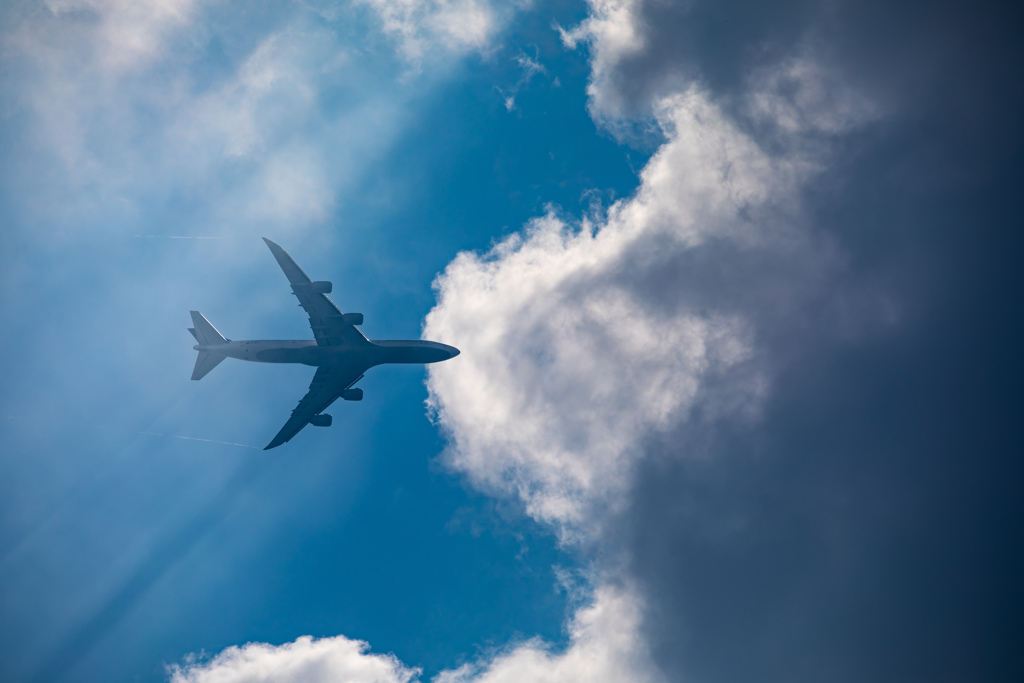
(352, 394)
(352, 318)
(321, 420)
(321, 287)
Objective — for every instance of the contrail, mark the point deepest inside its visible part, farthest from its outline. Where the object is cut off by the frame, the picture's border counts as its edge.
(169, 436)
(193, 438)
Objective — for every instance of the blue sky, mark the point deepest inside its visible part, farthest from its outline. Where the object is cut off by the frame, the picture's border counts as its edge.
(734, 290)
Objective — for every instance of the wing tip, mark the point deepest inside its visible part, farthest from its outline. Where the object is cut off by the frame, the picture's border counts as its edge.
(277, 441)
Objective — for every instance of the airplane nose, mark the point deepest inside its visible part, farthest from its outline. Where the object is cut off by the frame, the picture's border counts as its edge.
(436, 352)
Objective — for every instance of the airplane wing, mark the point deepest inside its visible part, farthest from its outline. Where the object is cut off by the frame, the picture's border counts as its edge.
(329, 329)
(327, 385)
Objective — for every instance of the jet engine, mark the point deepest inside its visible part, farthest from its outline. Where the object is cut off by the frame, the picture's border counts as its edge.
(352, 318)
(321, 420)
(352, 394)
(321, 287)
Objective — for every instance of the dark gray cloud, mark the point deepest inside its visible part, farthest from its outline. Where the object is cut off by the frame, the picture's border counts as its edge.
(868, 529)
(714, 43)
(904, 52)
(869, 525)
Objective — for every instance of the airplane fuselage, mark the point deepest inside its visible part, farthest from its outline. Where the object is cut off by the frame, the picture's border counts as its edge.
(308, 353)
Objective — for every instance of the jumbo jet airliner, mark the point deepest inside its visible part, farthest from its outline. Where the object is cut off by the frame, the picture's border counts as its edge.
(339, 351)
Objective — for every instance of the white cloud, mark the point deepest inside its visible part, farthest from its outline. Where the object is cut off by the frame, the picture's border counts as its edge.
(77, 54)
(450, 26)
(566, 368)
(569, 363)
(530, 67)
(257, 144)
(267, 119)
(123, 34)
(605, 645)
(614, 31)
(307, 660)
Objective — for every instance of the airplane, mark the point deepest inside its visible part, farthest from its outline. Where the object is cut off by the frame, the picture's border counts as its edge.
(340, 352)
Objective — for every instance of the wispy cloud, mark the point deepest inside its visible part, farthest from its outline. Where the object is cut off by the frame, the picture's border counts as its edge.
(530, 67)
(423, 28)
(117, 35)
(140, 129)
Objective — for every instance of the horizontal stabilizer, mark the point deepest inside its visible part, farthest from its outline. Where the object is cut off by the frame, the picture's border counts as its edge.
(204, 363)
(206, 334)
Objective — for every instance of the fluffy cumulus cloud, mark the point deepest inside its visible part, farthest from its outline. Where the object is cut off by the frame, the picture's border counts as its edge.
(307, 660)
(614, 31)
(568, 364)
(606, 645)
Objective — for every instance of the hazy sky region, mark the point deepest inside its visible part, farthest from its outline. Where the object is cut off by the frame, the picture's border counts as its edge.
(738, 291)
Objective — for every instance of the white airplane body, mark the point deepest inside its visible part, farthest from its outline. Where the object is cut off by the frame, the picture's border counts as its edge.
(339, 351)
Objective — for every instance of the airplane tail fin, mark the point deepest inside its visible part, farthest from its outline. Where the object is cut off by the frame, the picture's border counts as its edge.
(205, 333)
(204, 363)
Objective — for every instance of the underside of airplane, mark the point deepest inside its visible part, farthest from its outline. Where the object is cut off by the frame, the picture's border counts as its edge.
(339, 351)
